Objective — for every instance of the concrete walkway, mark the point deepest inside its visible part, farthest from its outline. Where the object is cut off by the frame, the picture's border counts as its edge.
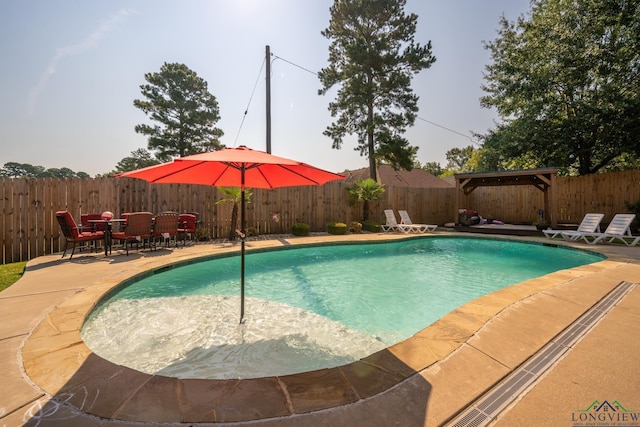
(50, 378)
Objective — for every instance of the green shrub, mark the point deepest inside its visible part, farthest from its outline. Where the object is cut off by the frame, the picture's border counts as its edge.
(634, 208)
(202, 235)
(300, 229)
(371, 226)
(337, 228)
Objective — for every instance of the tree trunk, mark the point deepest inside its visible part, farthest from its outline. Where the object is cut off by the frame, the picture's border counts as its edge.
(234, 222)
(372, 151)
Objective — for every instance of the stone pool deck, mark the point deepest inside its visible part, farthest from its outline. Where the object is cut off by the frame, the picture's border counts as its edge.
(50, 378)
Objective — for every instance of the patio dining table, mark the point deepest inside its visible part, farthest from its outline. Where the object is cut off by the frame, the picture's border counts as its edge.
(108, 231)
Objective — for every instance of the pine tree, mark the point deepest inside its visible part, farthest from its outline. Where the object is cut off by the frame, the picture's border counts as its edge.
(372, 58)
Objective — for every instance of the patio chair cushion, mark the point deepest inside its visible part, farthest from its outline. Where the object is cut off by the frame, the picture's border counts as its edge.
(73, 234)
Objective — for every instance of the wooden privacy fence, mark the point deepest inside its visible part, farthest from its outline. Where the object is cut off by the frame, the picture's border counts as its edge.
(575, 196)
(29, 228)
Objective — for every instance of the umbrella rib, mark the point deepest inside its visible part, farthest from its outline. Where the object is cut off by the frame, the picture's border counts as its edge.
(228, 165)
(243, 165)
(265, 178)
(171, 173)
(300, 175)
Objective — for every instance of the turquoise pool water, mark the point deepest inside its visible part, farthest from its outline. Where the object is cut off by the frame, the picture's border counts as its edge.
(317, 306)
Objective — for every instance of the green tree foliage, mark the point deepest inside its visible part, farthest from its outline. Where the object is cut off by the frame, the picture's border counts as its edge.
(138, 159)
(25, 170)
(20, 170)
(566, 83)
(366, 190)
(458, 158)
(372, 58)
(57, 173)
(233, 195)
(184, 110)
(434, 168)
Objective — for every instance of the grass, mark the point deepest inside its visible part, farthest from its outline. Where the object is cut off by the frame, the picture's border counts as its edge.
(10, 273)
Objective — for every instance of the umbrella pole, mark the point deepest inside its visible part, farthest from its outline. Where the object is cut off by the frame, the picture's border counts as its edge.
(242, 237)
(242, 281)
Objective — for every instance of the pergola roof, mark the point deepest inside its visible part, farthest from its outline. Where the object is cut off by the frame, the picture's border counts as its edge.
(540, 178)
(543, 179)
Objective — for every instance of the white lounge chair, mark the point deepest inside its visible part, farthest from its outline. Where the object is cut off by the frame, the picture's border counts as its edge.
(618, 229)
(392, 222)
(590, 224)
(409, 226)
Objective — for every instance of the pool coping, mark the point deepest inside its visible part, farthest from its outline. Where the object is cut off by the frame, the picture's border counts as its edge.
(56, 359)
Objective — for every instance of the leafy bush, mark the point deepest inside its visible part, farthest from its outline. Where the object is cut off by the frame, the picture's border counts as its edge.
(300, 229)
(337, 228)
(633, 207)
(202, 235)
(371, 226)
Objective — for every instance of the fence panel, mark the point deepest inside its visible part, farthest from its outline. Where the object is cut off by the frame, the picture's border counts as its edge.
(604, 193)
(29, 229)
(512, 204)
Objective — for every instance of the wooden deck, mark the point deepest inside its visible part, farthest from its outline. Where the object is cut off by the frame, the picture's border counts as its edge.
(504, 229)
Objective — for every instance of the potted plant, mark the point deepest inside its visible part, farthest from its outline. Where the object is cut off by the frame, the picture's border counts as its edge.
(300, 229)
(371, 226)
(336, 228)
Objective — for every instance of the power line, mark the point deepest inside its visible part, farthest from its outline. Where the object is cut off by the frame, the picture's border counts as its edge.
(418, 117)
(295, 65)
(244, 116)
(447, 129)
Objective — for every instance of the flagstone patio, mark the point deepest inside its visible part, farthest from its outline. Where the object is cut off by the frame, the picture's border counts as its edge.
(51, 378)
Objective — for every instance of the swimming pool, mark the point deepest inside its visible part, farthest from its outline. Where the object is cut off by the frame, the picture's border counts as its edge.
(307, 308)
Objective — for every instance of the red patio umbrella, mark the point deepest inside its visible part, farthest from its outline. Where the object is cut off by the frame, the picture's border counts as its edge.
(235, 167)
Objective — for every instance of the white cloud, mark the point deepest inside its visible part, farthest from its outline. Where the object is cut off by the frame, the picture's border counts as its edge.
(72, 50)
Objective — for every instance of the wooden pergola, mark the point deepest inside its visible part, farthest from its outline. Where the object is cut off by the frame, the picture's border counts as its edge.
(543, 179)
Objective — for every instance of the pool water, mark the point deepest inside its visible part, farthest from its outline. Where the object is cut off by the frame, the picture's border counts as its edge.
(306, 308)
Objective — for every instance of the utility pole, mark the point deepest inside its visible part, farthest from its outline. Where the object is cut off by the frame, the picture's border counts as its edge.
(268, 77)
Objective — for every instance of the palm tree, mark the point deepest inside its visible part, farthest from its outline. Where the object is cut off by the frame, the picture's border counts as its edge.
(233, 195)
(366, 190)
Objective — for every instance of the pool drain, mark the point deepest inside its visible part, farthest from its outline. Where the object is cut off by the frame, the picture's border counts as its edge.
(488, 407)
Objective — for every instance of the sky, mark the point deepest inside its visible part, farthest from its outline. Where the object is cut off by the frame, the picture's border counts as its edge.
(72, 69)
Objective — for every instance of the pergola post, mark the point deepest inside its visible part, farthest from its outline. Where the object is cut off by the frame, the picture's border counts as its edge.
(553, 202)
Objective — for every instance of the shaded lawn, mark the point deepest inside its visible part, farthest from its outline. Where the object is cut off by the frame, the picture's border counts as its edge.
(10, 273)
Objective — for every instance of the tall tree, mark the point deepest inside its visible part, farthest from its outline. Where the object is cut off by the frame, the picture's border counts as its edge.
(179, 101)
(138, 159)
(566, 82)
(372, 57)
